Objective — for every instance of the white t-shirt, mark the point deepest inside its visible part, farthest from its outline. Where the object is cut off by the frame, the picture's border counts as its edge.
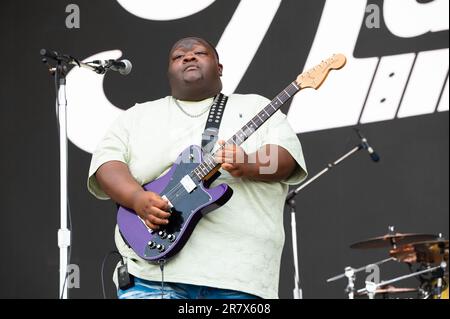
(237, 246)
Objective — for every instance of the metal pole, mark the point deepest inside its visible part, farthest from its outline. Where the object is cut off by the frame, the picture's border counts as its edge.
(63, 232)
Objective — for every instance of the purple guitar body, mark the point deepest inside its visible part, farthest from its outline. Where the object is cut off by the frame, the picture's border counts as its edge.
(185, 189)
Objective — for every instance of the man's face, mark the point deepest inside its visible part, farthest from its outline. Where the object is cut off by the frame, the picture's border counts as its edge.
(192, 61)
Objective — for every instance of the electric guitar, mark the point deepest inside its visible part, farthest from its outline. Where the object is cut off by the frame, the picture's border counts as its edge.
(186, 184)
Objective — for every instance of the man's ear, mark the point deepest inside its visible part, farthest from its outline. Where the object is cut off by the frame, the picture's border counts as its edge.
(220, 68)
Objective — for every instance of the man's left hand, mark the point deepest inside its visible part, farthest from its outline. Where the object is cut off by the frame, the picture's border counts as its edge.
(234, 159)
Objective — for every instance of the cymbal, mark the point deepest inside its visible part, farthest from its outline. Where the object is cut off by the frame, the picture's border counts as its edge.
(428, 252)
(390, 290)
(389, 240)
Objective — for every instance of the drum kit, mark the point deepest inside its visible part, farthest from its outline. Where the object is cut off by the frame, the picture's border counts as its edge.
(425, 254)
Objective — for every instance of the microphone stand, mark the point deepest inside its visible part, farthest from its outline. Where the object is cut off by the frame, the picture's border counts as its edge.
(64, 235)
(290, 201)
(59, 73)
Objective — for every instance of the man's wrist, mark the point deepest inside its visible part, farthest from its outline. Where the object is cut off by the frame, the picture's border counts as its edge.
(133, 198)
(250, 170)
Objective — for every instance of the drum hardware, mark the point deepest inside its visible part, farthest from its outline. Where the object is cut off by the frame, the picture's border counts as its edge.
(435, 286)
(371, 289)
(425, 254)
(360, 269)
(350, 289)
(350, 274)
(370, 285)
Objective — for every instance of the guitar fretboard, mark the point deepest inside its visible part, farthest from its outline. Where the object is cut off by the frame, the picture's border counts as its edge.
(208, 164)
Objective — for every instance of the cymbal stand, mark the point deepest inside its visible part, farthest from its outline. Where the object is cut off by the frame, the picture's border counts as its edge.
(361, 269)
(369, 287)
(350, 289)
(350, 274)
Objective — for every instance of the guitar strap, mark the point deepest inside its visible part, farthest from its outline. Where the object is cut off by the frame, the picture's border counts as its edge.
(209, 139)
(211, 132)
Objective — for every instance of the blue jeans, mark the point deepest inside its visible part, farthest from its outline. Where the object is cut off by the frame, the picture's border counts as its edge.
(145, 289)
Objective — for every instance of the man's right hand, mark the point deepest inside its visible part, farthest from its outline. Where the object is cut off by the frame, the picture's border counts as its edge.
(117, 182)
(151, 208)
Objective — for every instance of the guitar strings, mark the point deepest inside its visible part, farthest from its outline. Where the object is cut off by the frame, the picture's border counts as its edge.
(174, 190)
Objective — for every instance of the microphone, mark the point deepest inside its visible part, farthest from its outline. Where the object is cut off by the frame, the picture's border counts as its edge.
(365, 145)
(122, 66)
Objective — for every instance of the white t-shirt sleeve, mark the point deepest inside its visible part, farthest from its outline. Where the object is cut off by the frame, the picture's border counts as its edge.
(112, 147)
(278, 131)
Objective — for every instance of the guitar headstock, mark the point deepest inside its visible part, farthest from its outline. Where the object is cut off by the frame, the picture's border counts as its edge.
(314, 77)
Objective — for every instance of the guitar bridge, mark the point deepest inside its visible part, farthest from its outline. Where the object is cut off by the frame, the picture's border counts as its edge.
(168, 201)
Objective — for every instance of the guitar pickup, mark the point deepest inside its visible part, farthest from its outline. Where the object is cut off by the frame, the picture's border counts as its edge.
(188, 183)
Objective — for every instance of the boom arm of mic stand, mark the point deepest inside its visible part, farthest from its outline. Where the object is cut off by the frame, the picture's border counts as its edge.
(293, 193)
(100, 69)
(48, 54)
(290, 201)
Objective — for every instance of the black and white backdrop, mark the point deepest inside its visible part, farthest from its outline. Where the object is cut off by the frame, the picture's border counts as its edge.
(394, 88)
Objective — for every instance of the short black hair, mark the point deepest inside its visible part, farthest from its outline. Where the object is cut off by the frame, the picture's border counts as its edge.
(199, 40)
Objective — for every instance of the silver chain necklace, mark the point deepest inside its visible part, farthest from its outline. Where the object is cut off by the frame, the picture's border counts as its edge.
(195, 115)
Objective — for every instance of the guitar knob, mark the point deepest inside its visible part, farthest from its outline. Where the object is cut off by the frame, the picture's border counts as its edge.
(151, 244)
(171, 237)
(160, 247)
(162, 234)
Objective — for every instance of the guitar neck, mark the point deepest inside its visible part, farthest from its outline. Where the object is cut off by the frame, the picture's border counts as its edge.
(208, 167)
(312, 78)
(255, 123)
